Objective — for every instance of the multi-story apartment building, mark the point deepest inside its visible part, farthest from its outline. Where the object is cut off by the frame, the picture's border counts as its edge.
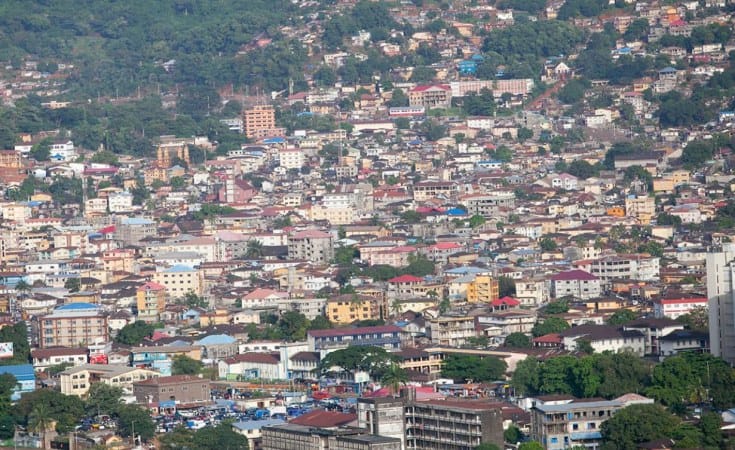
(431, 96)
(433, 424)
(561, 425)
(72, 325)
(483, 288)
(532, 291)
(151, 301)
(387, 336)
(488, 205)
(291, 158)
(260, 122)
(300, 437)
(642, 208)
(427, 190)
(451, 331)
(179, 388)
(348, 308)
(131, 230)
(180, 280)
(575, 283)
(311, 245)
(170, 151)
(453, 424)
(623, 267)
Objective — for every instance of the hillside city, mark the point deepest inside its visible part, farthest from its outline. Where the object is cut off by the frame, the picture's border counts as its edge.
(367, 225)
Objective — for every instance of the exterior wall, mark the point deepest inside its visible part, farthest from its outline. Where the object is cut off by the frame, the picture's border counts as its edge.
(191, 391)
(72, 331)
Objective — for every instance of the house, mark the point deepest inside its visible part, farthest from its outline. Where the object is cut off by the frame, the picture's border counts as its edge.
(43, 358)
(683, 340)
(77, 380)
(676, 305)
(604, 338)
(653, 329)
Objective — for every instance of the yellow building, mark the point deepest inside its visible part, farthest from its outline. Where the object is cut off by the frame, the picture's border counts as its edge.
(169, 153)
(483, 289)
(180, 280)
(348, 308)
(151, 301)
(642, 208)
(216, 317)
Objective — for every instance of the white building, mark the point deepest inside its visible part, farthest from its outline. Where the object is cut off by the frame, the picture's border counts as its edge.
(120, 202)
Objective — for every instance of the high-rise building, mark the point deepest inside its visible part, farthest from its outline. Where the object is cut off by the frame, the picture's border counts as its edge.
(720, 296)
(260, 122)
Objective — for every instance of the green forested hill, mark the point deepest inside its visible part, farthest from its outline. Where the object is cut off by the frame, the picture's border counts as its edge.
(117, 45)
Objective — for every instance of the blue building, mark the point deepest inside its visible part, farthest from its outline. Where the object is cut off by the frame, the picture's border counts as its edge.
(467, 67)
(24, 375)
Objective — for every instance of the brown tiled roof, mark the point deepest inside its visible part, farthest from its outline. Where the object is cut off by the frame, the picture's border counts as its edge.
(173, 379)
(253, 357)
(57, 351)
(324, 419)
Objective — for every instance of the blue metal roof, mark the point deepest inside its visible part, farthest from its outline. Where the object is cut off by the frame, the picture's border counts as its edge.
(257, 424)
(216, 339)
(180, 268)
(76, 306)
(21, 372)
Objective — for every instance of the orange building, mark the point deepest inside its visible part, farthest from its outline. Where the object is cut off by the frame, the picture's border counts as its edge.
(259, 121)
(616, 211)
(151, 301)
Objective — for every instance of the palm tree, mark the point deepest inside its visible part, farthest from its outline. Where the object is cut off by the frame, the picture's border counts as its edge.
(394, 377)
(396, 307)
(254, 249)
(22, 286)
(40, 421)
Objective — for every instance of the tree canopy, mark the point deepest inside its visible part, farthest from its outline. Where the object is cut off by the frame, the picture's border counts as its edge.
(470, 367)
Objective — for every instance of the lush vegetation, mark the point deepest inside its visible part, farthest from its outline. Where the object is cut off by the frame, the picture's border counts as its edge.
(18, 335)
(474, 368)
(679, 381)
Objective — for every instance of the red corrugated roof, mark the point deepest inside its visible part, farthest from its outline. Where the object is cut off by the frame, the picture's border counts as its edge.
(405, 279)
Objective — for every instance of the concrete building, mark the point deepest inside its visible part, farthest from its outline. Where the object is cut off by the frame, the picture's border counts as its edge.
(569, 423)
(382, 416)
(260, 122)
(131, 230)
(386, 336)
(72, 325)
(431, 96)
(453, 424)
(180, 280)
(720, 295)
(78, 380)
(575, 283)
(483, 288)
(43, 358)
(178, 388)
(451, 331)
(642, 208)
(151, 301)
(300, 437)
(311, 245)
